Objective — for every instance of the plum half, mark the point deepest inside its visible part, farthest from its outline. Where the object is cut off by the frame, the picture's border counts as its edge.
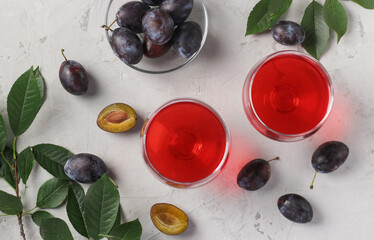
(117, 117)
(169, 219)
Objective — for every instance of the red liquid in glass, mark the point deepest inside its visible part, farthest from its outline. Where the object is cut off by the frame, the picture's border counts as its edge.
(185, 142)
(290, 94)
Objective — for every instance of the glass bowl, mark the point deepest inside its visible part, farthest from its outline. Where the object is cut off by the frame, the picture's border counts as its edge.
(170, 61)
(288, 96)
(185, 143)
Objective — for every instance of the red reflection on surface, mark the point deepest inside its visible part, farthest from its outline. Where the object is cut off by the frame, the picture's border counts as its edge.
(243, 150)
(338, 124)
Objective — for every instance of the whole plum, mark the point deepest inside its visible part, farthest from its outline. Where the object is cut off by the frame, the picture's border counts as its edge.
(295, 208)
(158, 26)
(187, 39)
(73, 76)
(288, 33)
(126, 45)
(152, 50)
(152, 2)
(85, 168)
(179, 10)
(329, 156)
(130, 15)
(255, 174)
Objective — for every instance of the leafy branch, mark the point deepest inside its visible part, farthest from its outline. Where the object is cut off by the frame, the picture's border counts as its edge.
(93, 215)
(317, 21)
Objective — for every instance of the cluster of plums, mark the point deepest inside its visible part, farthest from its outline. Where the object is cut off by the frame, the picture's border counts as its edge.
(160, 23)
(327, 158)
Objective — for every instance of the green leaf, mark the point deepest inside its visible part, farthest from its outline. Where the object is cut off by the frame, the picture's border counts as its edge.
(101, 207)
(23, 102)
(317, 33)
(118, 219)
(6, 171)
(75, 208)
(25, 163)
(52, 193)
(128, 231)
(2, 134)
(38, 216)
(40, 81)
(52, 158)
(265, 14)
(55, 229)
(10, 204)
(279, 6)
(335, 17)
(369, 4)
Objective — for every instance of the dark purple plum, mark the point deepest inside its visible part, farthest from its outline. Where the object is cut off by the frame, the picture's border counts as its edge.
(126, 45)
(158, 26)
(152, 2)
(130, 15)
(179, 10)
(295, 208)
(73, 76)
(152, 50)
(288, 33)
(255, 174)
(85, 168)
(187, 39)
(328, 157)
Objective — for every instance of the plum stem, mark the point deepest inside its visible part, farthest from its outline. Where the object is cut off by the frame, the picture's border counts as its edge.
(277, 158)
(115, 20)
(311, 185)
(108, 27)
(62, 51)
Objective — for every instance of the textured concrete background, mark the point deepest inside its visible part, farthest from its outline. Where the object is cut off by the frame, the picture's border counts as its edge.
(33, 32)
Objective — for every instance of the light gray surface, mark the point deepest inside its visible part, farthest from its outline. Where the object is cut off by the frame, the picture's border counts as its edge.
(33, 32)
